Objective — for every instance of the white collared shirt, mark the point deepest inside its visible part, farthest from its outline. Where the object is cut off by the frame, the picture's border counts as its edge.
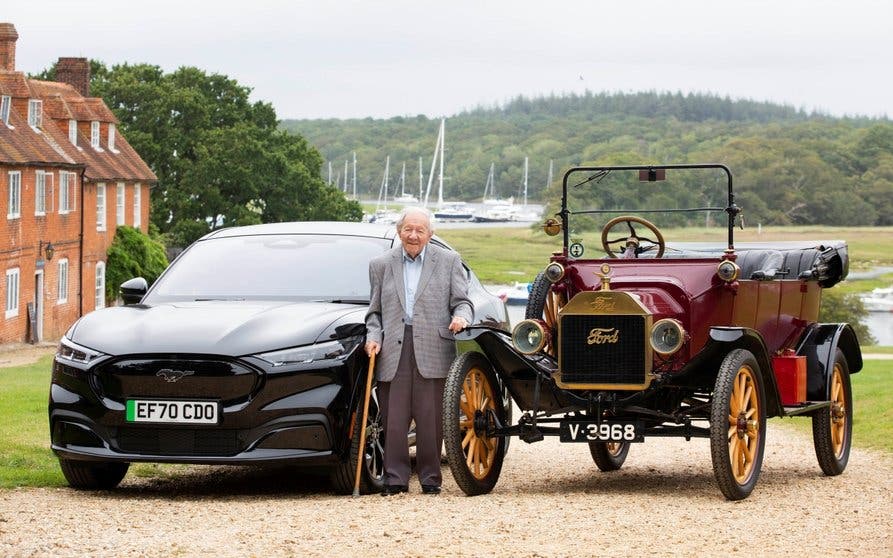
(412, 272)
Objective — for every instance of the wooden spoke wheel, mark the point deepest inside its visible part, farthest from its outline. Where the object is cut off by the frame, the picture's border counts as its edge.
(609, 456)
(738, 425)
(372, 471)
(472, 407)
(832, 428)
(544, 304)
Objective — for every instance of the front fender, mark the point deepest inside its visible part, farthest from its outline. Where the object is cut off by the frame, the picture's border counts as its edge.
(517, 371)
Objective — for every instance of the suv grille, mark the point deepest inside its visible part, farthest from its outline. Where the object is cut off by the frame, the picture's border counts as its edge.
(617, 355)
(178, 441)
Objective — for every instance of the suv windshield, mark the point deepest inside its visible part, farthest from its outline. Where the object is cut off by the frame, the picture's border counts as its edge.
(686, 203)
(271, 267)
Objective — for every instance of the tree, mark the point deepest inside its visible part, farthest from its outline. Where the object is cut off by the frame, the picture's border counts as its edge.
(219, 158)
(132, 254)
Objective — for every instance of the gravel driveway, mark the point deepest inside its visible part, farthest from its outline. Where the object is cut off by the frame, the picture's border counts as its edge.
(550, 501)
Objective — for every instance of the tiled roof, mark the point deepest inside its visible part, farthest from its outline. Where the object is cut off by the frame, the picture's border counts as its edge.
(23, 145)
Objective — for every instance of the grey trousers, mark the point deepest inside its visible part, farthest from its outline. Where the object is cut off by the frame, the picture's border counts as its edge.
(409, 397)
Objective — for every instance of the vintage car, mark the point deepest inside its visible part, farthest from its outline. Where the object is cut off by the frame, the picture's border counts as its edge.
(630, 336)
(247, 350)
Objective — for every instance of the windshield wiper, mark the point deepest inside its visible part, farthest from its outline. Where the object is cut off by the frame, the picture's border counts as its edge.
(597, 177)
(344, 300)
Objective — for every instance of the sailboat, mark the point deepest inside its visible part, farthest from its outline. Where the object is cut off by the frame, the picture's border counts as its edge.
(382, 213)
(494, 210)
(490, 187)
(404, 197)
(445, 211)
(523, 212)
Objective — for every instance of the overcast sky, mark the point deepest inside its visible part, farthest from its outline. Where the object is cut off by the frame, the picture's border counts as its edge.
(383, 58)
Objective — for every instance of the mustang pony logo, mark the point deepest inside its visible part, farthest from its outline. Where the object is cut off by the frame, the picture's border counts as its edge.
(173, 375)
(602, 335)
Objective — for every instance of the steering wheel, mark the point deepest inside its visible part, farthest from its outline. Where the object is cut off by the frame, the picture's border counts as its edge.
(631, 243)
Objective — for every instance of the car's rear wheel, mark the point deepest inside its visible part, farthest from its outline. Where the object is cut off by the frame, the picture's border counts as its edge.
(609, 456)
(372, 472)
(544, 304)
(832, 428)
(93, 475)
(738, 425)
(472, 404)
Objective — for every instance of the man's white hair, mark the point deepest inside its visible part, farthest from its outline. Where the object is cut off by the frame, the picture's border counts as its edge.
(417, 211)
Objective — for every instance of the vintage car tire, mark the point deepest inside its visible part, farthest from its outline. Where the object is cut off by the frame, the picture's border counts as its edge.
(343, 476)
(832, 428)
(93, 475)
(475, 460)
(543, 304)
(738, 424)
(609, 456)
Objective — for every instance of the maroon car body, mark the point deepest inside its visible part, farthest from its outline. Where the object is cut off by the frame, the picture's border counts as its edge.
(649, 338)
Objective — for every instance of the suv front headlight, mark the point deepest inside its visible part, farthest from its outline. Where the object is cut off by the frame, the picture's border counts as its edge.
(71, 352)
(312, 353)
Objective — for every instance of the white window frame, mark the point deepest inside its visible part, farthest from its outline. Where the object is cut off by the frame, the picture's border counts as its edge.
(5, 107)
(73, 132)
(99, 285)
(112, 138)
(14, 195)
(62, 281)
(120, 201)
(94, 135)
(40, 192)
(100, 206)
(65, 205)
(13, 277)
(137, 205)
(35, 113)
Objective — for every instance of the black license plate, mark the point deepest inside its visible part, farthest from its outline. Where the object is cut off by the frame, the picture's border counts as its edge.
(601, 431)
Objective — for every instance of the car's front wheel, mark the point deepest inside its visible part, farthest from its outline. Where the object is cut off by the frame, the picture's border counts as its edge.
(738, 424)
(93, 475)
(832, 428)
(472, 404)
(609, 456)
(372, 471)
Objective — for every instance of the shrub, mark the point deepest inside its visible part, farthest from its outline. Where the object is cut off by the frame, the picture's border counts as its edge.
(132, 254)
(840, 307)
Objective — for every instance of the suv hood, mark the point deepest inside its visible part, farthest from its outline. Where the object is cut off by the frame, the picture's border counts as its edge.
(232, 328)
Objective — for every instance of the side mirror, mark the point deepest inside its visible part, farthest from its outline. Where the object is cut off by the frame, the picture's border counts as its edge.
(133, 290)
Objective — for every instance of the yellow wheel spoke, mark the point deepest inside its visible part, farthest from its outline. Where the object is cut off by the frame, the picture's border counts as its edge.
(469, 436)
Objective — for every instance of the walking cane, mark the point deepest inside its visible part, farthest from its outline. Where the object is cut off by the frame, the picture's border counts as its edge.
(361, 451)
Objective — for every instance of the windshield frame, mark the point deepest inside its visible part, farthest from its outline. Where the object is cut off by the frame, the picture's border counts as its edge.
(731, 209)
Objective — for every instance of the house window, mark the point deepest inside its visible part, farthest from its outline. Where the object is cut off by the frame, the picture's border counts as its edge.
(62, 285)
(66, 183)
(14, 205)
(5, 102)
(99, 301)
(40, 193)
(100, 207)
(12, 292)
(73, 132)
(35, 113)
(111, 137)
(137, 205)
(94, 134)
(119, 205)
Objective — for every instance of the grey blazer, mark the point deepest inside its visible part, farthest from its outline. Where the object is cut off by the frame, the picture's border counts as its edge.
(442, 294)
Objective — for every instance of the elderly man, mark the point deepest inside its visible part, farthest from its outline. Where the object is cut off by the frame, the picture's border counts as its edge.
(419, 300)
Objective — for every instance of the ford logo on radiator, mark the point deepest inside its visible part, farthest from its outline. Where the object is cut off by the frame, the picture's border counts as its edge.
(173, 375)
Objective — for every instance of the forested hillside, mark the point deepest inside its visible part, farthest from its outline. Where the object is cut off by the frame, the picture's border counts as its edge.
(790, 166)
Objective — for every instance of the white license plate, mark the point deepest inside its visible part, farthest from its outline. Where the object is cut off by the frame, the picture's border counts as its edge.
(178, 412)
(603, 431)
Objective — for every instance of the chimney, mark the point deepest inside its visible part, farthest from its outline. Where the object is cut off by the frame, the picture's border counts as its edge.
(8, 37)
(75, 72)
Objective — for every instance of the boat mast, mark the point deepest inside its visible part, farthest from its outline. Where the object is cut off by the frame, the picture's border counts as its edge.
(525, 181)
(433, 163)
(421, 178)
(345, 176)
(354, 175)
(403, 181)
(440, 179)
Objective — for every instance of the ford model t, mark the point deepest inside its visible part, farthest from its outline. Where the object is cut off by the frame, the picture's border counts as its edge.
(631, 335)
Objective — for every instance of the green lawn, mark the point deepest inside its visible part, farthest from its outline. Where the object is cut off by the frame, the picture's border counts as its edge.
(26, 460)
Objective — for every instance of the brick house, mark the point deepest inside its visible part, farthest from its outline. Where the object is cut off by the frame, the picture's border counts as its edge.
(68, 179)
